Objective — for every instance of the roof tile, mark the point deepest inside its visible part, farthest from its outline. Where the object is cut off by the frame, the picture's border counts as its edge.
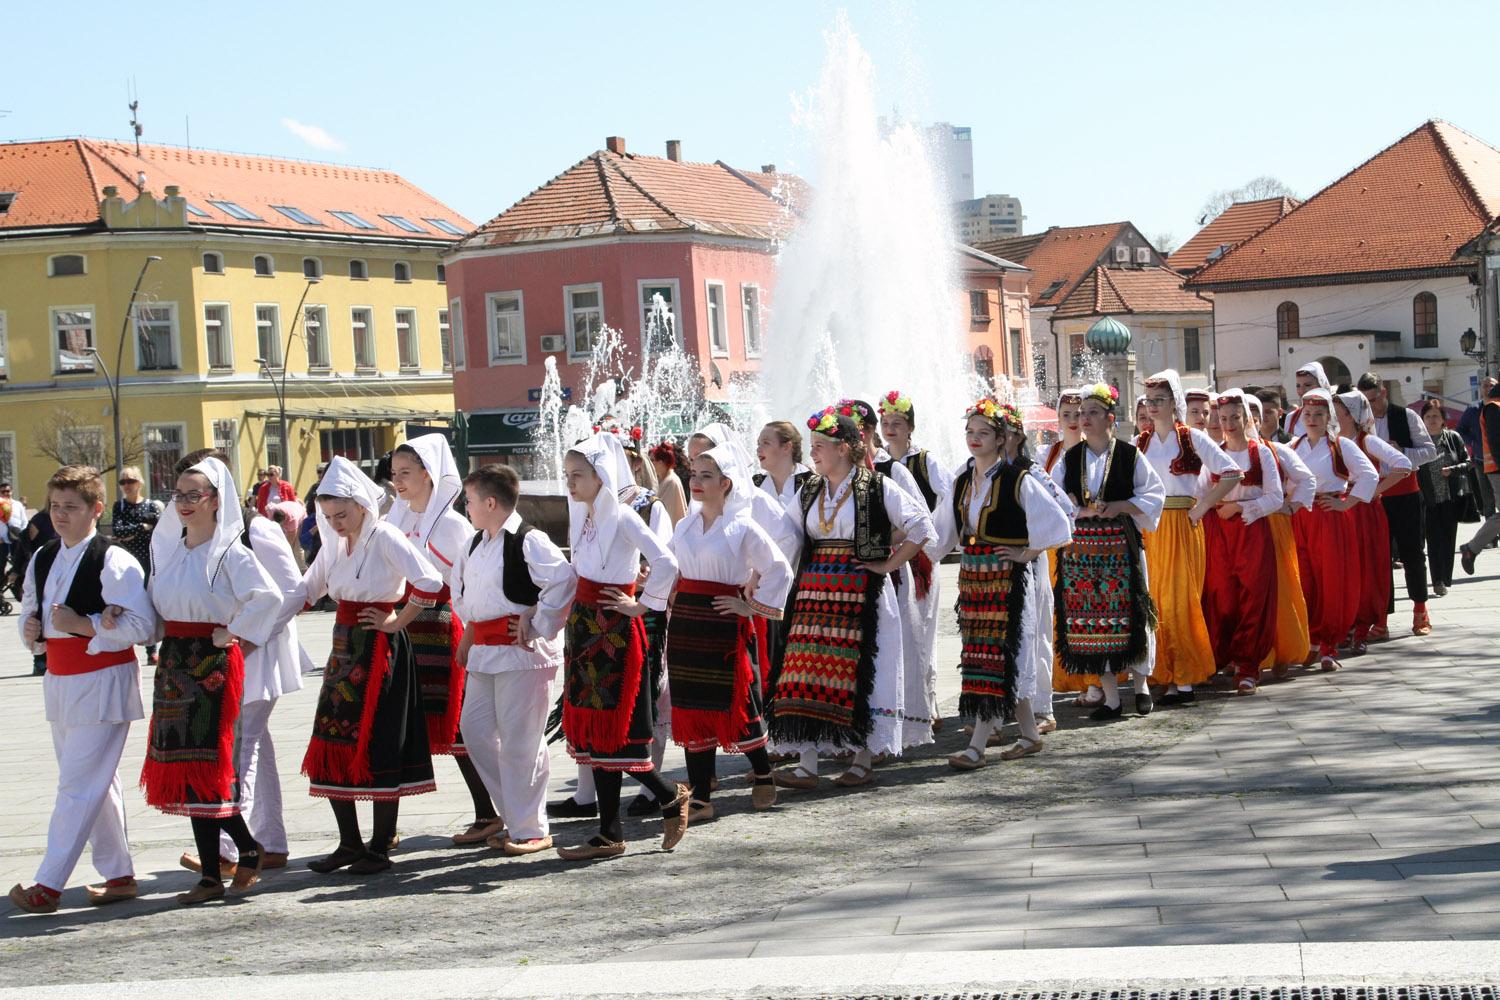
(1238, 222)
(1061, 257)
(1106, 291)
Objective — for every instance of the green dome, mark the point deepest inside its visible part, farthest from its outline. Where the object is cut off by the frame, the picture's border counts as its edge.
(1108, 336)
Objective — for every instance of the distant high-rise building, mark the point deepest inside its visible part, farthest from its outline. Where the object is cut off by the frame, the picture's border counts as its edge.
(954, 149)
(989, 218)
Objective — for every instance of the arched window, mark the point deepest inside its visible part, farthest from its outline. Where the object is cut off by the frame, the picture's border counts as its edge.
(402, 271)
(213, 263)
(984, 364)
(264, 266)
(312, 267)
(1424, 320)
(357, 270)
(1288, 325)
(66, 264)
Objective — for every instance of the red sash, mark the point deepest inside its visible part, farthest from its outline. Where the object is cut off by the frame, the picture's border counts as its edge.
(589, 591)
(70, 656)
(709, 587)
(348, 613)
(495, 631)
(190, 630)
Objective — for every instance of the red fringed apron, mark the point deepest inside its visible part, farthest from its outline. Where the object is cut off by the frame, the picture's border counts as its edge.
(189, 767)
(339, 752)
(435, 634)
(602, 683)
(708, 664)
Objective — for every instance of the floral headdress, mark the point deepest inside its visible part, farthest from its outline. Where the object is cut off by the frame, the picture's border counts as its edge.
(631, 438)
(861, 412)
(1102, 392)
(996, 412)
(895, 402)
(838, 422)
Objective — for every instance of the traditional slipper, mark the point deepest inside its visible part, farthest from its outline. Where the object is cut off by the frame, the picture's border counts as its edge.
(201, 893)
(343, 857)
(33, 900)
(674, 827)
(479, 831)
(1021, 748)
(1046, 724)
(967, 759)
(105, 894)
(1245, 686)
(1329, 664)
(594, 847)
(856, 775)
(1281, 670)
(245, 876)
(795, 777)
(520, 848)
(762, 793)
(995, 740)
(700, 812)
(195, 864)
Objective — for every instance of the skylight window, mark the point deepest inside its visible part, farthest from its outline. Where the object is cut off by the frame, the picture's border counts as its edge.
(401, 222)
(297, 215)
(7, 198)
(234, 211)
(195, 210)
(444, 225)
(350, 219)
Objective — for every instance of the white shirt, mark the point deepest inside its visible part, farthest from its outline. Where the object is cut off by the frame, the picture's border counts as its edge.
(1049, 522)
(450, 534)
(775, 519)
(632, 542)
(1301, 486)
(1319, 461)
(1386, 456)
(729, 551)
(906, 513)
(377, 571)
(787, 495)
(1422, 450)
(1255, 502)
(1162, 453)
(478, 596)
(275, 668)
(1148, 495)
(242, 596)
(124, 584)
(19, 517)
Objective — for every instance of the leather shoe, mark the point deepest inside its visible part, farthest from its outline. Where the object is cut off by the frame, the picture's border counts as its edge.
(245, 876)
(1466, 559)
(272, 860)
(1172, 698)
(1021, 748)
(32, 900)
(674, 827)
(520, 848)
(642, 805)
(594, 847)
(341, 858)
(201, 893)
(103, 895)
(1143, 704)
(763, 795)
(371, 864)
(1046, 724)
(193, 863)
(1104, 713)
(571, 808)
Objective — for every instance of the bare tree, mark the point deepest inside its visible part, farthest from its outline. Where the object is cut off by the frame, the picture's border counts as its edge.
(1255, 189)
(66, 439)
(1165, 243)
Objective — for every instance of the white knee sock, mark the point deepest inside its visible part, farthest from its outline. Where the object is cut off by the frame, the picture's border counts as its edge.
(808, 761)
(982, 731)
(1026, 721)
(585, 794)
(864, 758)
(1143, 684)
(1111, 690)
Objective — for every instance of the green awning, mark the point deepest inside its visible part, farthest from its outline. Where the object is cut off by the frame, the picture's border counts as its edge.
(507, 432)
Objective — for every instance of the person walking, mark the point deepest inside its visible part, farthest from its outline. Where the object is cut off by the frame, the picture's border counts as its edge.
(1489, 428)
(1445, 489)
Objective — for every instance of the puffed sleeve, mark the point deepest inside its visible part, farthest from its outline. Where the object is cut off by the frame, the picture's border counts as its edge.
(449, 537)
(1391, 458)
(124, 584)
(908, 514)
(1048, 525)
(401, 557)
(1301, 484)
(1215, 459)
(311, 588)
(659, 558)
(255, 594)
(773, 572)
(551, 571)
(1270, 497)
(1363, 479)
(1150, 494)
(777, 522)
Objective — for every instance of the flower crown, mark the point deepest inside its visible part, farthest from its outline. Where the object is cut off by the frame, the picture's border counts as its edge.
(993, 410)
(826, 421)
(635, 434)
(1102, 392)
(894, 402)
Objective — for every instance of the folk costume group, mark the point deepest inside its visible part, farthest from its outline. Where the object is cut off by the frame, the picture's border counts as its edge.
(770, 610)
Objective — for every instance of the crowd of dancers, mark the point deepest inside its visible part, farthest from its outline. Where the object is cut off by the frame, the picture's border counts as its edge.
(766, 608)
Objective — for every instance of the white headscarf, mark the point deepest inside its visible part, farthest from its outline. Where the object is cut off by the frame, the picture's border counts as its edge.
(732, 467)
(1326, 397)
(1359, 408)
(344, 481)
(1252, 427)
(604, 452)
(724, 437)
(437, 458)
(168, 543)
(1174, 380)
(1315, 369)
(1239, 394)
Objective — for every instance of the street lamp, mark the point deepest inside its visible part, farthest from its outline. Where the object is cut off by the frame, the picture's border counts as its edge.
(1471, 344)
(112, 382)
(279, 387)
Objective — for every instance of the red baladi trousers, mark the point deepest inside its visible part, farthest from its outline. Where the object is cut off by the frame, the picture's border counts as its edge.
(1373, 545)
(1239, 592)
(1329, 566)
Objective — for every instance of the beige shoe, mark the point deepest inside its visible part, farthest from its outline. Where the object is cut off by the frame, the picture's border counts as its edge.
(520, 848)
(1046, 724)
(1021, 748)
(856, 776)
(103, 895)
(479, 833)
(201, 893)
(594, 847)
(700, 812)
(245, 878)
(763, 797)
(968, 759)
(674, 827)
(795, 777)
(193, 863)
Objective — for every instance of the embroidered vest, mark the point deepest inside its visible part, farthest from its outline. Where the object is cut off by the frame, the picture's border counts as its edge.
(1119, 485)
(1253, 476)
(916, 464)
(86, 594)
(1187, 462)
(1002, 519)
(872, 525)
(798, 478)
(515, 577)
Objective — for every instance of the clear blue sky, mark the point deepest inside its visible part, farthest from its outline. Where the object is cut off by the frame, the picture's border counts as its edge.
(1087, 111)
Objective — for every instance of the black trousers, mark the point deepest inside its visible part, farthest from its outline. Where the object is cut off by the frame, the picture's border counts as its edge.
(1442, 540)
(1405, 515)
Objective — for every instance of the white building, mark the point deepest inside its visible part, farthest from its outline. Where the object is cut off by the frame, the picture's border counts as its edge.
(993, 217)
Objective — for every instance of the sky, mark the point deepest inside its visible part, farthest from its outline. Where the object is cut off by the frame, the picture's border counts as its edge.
(1088, 112)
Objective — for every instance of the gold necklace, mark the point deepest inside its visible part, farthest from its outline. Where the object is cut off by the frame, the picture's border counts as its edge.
(1089, 499)
(825, 520)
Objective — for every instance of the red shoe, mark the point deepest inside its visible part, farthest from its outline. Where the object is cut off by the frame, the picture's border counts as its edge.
(1420, 623)
(37, 899)
(1379, 633)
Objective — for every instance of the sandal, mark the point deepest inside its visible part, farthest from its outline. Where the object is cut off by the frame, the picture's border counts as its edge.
(795, 777)
(1330, 664)
(675, 825)
(967, 759)
(479, 831)
(1246, 685)
(855, 776)
(1022, 747)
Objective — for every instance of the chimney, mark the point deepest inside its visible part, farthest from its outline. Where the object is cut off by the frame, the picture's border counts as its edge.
(615, 144)
(768, 168)
(674, 150)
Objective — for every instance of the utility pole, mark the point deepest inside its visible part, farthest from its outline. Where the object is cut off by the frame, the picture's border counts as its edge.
(112, 382)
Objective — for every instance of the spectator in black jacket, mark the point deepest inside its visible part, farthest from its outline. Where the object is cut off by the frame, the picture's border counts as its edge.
(1489, 441)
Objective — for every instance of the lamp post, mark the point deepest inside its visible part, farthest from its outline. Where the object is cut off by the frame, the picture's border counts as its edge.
(112, 382)
(279, 387)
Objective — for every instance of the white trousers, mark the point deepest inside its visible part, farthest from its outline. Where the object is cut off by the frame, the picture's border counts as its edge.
(260, 784)
(90, 805)
(504, 725)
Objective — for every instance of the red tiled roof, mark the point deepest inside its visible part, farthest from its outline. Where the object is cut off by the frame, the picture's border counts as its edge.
(610, 193)
(1106, 291)
(61, 183)
(1238, 222)
(1062, 254)
(1411, 207)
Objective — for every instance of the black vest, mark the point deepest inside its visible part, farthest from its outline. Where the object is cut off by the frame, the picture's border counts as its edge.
(798, 479)
(1398, 426)
(1120, 484)
(86, 595)
(916, 464)
(872, 525)
(515, 576)
(1002, 519)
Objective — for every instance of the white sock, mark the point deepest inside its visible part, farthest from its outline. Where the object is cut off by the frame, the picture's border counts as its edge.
(982, 731)
(585, 794)
(1093, 690)
(864, 758)
(1026, 721)
(808, 761)
(1143, 684)
(1111, 690)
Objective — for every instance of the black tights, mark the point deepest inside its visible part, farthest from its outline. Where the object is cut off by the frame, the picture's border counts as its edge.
(700, 768)
(484, 809)
(206, 836)
(607, 785)
(380, 836)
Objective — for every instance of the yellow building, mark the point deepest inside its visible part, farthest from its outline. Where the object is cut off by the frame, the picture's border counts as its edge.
(224, 249)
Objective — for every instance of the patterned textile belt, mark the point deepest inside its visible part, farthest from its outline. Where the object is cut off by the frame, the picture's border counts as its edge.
(69, 656)
(495, 631)
(348, 613)
(710, 587)
(589, 591)
(191, 630)
(1179, 503)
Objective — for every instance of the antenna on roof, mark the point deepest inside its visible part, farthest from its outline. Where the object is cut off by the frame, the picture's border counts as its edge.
(187, 129)
(135, 124)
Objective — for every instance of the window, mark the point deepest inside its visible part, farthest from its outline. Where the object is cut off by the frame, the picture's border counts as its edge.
(1077, 351)
(456, 317)
(8, 198)
(1017, 354)
(445, 340)
(750, 317)
(362, 322)
(442, 273)
(73, 337)
(234, 211)
(507, 327)
(718, 334)
(165, 445)
(4, 348)
(315, 335)
(358, 445)
(984, 364)
(401, 270)
(268, 335)
(1192, 350)
(194, 210)
(216, 336)
(1288, 325)
(264, 266)
(660, 321)
(407, 354)
(1424, 320)
(358, 271)
(66, 265)
(585, 305)
(979, 307)
(227, 440)
(401, 222)
(272, 438)
(297, 215)
(312, 267)
(81, 446)
(350, 219)
(444, 225)
(155, 336)
(8, 459)
(213, 263)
